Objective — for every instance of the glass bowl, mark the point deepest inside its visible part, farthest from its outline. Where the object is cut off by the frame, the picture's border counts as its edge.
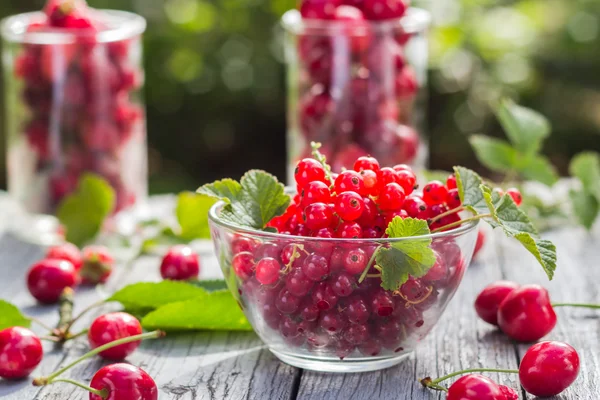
(316, 315)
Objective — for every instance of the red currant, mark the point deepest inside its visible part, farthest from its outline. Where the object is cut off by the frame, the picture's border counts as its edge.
(435, 193)
(357, 333)
(324, 296)
(286, 302)
(349, 181)
(315, 192)
(488, 301)
(243, 264)
(355, 260)
(349, 206)
(309, 170)
(97, 265)
(438, 272)
(391, 197)
(516, 195)
(407, 179)
(319, 9)
(20, 352)
(68, 252)
(387, 175)
(366, 163)
(526, 314)
(297, 283)
(124, 382)
(318, 216)
(367, 218)
(316, 268)
(242, 243)
(180, 263)
(371, 182)
(475, 387)
(332, 322)
(357, 311)
(453, 199)
(47, 279)
(415, 207)
(381, 10)
(267, 271)
(382, 304)
(110, 327)
(451, 182)
(343, 285)
(349, 230)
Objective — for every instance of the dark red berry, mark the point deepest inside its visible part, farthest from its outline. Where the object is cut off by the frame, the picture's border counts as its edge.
(286, 302)
(391, 197)
(369, 213)
(355, 260)
(68, 252)
(356, 334)
(124, 382)
(97, 266)
(243, 264)
(363, 163)
(488, 301)
(318, 216)
(324, 296)
(349, 206)
(415, 207)
(475, 387)
(516, 195)
(382, 304)
(241, 243)
(180, 263)
(309, 170)
(371, 347)
(356, 311)
(316, 267)
(110, 327)
(349, 230)
(297, 283)
(343, 285)
(381, 10)
(20, 352)
(435, 193)
(47, 279)
(332, 322)
(349, 181)
(267, 271)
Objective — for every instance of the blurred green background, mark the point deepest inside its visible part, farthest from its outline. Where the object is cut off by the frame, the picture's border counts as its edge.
(215, 86)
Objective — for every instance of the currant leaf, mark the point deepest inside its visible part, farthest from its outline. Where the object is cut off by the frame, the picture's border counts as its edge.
(11, 316)
(151, 295)
(469, 184)
(543, 250)
(539, 168)
(84, 211)
(493, 153)
(512, 218)
(192, 215)
(413, 257)
(227, 190)
(525, 128)
(586, 207)
(209, 311)
(586, 167)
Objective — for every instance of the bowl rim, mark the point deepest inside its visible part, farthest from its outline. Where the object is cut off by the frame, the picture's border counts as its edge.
(214, 217)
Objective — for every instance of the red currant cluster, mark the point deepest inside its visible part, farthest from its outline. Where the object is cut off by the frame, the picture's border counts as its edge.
(65, 266)
(81, 112)
(356, 90)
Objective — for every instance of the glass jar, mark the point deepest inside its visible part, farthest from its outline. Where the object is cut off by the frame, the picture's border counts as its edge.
(359, 89)
(74, 106)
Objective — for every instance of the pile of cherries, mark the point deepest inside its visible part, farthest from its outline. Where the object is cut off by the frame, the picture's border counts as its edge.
(355, 89)
(79, 99)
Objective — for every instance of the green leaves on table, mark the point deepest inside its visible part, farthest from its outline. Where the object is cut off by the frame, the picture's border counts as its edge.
(252, 202)
(182, 306)
(192, 215)
(586, 200)
(526, 131)
(11, 316)
(403, 259)
(84, 211)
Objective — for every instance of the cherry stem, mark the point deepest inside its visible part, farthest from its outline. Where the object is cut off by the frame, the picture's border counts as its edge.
(580, 305)
(41, 323)
(82, 313)
(429, 383)
(445, 214)
(47, 380)
(102, 393)
(65, 312)
(53, 339)
(368, 266)
(75, 336)
(462, 221)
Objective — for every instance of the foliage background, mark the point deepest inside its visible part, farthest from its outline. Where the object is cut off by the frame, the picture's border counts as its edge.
(216, 96)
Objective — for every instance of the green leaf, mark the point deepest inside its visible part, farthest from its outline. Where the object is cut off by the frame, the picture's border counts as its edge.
(192, 215)
(212, 285)
(151, 295)
(227, 190)
(525, 128)
(539, 168)
(512, 219)
(405, 258)
(586, 167)
(543, 250)
(586, 207)
(11, 316)
(84, 211)
(493, 153)
(210, 311)
(469, 184)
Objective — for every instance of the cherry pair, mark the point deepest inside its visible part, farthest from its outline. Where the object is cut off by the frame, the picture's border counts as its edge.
(181, 263)
(65, 266)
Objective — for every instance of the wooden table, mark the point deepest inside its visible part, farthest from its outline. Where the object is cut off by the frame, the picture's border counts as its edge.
(221, 365)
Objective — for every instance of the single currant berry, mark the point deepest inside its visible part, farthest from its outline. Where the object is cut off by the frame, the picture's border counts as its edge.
(438, 273)
(526, 314)
(371, 182)
(113, 326)
(357, 311)
(390, 215)
(382, 304)
(243, 264)
(20, 352)
(267, 271)
(548, 368)
(349, 181)
(297, 283)
(378, 10)
(349, 230)
(47, 279)
(343, 285)
(408, 180)
(286, 302)
(315, 192)
(309, 170)
(488, 301)
(355, 260)
(453, 199)
(324, 233)
(97, 265)
(318, 216)
(415, 207)
(369, 213)
(68, 252)
(316, 267)
(332, 322)
(387, 175)
(516, 195)
(435, 193)
(451, 182)
(366, 163)
(391, 197)
(324, 297)
(241, 243)
(180, 263)
(123, 382)
(349, 206)
(475, 387)
(356, 334)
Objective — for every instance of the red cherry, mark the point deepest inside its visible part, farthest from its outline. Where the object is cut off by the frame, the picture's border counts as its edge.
(509, 393)
(97, 264)
(68, 252)
(516, 195)
(47, 279)
(124, 382)
(475, 387)
(20, 352)
(488, 301)
(548, 368)
(113, 326)
(180, 264)
(526, 314)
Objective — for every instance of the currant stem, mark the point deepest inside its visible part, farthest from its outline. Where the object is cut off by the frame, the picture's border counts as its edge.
(373, 275)
(462, 221)
(322, 159)
(151, 335)
(445, 214)
(102, 393)
(579, 305)
(468, 371)
(368, 266)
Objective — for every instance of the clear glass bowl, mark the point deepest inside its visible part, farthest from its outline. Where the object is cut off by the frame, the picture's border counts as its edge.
(334, 323)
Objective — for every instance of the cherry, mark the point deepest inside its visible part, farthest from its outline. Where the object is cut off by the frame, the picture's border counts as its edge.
(435, 193)
(180, 264)
(47, 279)
(509, 393)
(349, 206)
(548, 368)
(243, 264)
(309, 170)
(68, 252)
(526, 314)
(488, 301)
(123, 382)
(515, 194)
(20, 352)
(391, 197)
(267, 271)
(318, 216)
(97, 264)
(475, 387)
(113, 326)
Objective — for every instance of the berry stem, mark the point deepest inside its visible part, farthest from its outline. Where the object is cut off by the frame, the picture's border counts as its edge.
(579, 305)
(368, 266)
(462, 221)
(322, 159)
(427, 382)
(373, 275)
(75, 336)
(82, 313)
(65, 312)
(445, 214)
(41, 323)
(102, 393)
(50, 378)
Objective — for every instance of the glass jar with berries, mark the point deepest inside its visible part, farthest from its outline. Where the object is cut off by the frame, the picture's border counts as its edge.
(74, 77)
(356, 79)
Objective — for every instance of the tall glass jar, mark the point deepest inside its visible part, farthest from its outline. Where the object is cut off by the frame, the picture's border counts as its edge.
(357, 88)
(74, 106)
